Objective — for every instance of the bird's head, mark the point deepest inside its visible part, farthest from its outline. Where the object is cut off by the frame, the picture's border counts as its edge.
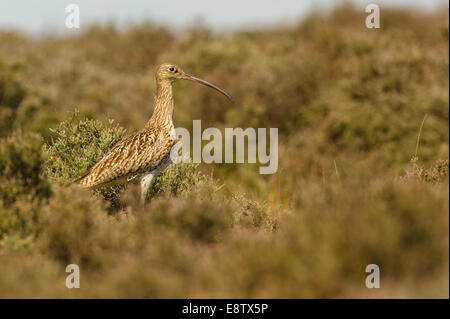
(171, 72)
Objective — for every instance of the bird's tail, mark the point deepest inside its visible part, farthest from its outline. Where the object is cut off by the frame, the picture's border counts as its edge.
(80, 177)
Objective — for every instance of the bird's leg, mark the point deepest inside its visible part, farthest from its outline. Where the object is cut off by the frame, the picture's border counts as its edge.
(146, 181)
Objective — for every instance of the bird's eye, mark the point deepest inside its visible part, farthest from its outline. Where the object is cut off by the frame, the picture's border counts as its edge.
(172, 69)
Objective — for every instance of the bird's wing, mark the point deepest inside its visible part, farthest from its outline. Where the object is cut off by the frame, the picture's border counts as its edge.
(142, 151)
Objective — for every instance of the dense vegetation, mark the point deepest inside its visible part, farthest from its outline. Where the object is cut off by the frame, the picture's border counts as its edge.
(363, 117)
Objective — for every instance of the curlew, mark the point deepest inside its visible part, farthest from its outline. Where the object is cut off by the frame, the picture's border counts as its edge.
(145, 154)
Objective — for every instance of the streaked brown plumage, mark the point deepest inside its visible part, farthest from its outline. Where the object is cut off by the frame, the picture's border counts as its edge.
(146, 153)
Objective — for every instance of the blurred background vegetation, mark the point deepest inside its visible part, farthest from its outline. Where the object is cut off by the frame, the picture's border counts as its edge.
(363, 118)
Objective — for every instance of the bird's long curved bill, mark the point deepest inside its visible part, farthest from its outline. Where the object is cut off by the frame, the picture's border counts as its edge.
(193, 78)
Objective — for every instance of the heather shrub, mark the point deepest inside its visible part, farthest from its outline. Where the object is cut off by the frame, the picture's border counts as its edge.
(78, 229)
(11, 95)
(40, 277)
(21, 108)
(23, 191)
(20, 225)
(252, 214)
(322, 247)
(191, 217)
(36, 114)
(21, 165)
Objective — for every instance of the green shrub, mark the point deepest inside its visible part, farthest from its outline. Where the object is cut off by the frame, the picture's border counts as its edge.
(175, 179)
(77, 145)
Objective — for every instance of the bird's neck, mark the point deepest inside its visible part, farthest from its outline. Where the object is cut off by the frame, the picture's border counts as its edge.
(162, 114)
